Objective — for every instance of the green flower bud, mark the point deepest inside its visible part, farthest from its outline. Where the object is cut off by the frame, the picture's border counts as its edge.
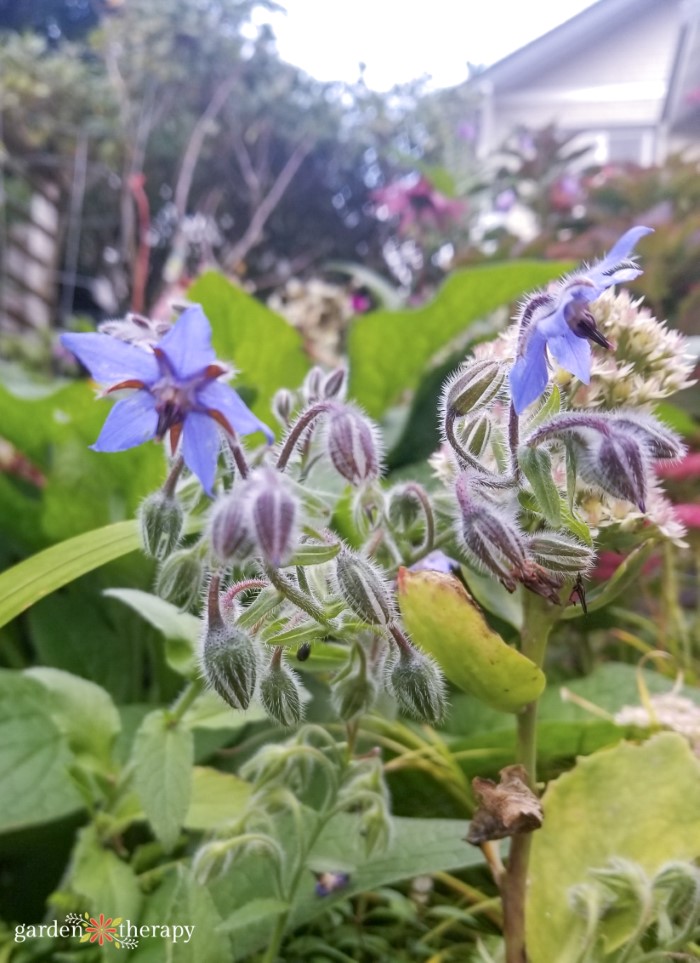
(476, 434)
(352, 690)
(180, 578)
(365, 590)
(229, 663)
(161, 520)
(280, 694)
(561, 553)
(418, 686)
(474, 385)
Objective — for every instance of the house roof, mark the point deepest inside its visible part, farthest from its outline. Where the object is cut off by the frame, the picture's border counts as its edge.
(682, 102)
(597, 21)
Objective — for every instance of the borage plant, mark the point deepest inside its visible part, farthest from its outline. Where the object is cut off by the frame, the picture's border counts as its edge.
(549, 454)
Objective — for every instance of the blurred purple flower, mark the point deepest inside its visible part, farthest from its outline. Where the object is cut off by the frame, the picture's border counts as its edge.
(414, 200)
(561, 322)
(178, 391)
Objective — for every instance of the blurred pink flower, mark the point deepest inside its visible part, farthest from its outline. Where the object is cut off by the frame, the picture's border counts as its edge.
(414, 200)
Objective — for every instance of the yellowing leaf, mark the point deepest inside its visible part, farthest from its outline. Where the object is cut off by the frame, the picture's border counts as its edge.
(444, 621)
(637, 803)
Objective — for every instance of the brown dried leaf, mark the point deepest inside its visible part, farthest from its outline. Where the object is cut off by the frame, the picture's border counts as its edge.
(506, 808)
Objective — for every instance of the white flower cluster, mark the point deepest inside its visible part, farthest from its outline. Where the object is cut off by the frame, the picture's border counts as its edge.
(320, 310)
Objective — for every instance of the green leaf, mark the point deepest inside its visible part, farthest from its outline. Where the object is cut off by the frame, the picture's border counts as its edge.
(35, 786)
(181, 629)
(217, 798)
(633, 802)
(266, 350)
(84, 711)
(315, 554)
(55, 432)
(626, 575)
(43, 573)
(443, 620)
(106, 883)
(537, 468)
(162, 757)
(494, 597)
(209, 711)
(181, 900)
(416, 847)
(388, 350)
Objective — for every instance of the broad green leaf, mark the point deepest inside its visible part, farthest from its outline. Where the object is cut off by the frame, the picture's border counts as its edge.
(209, 711)
(105, 882)
(162, 757)
(181, 900)
(253, 912)
(74, 630)
(416, 847)
(635, 802)
(84, 711)
(54, 432)
(217, 798)
(266, 350)
(181, 629)
(443, 620)
(494, 597)
(43, 573)
(35, 786)
(626, 575)
(537, 468)
(389, 349)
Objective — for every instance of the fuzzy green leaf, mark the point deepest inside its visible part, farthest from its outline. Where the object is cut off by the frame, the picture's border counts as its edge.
(162, 757)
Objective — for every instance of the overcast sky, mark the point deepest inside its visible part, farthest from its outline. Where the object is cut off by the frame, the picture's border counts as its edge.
(401, 40)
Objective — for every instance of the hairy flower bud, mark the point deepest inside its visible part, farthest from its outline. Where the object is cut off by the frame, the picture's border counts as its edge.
(619, 467)
(273, 515)
(280, 694)
(353, 690)
(283, 405)
(180, 577)
(365, 590)
(474, 384)
(476, 434)
(313, 382)
(490, 537)
(660, 442)
(229, 531)
(161, 522)
(418, 686)
(229, 663)
(334, 384)
(561, 553)
(352, 445)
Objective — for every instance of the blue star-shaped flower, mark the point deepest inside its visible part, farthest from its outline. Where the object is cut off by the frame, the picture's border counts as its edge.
(561, 323)
(178, 390)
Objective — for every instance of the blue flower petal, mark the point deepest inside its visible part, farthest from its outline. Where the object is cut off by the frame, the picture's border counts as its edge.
(131, 421)
(188, 343)
(529, 374)
(623, 248)
(573, 354)
(217, 396)
(200, 447)
(110, 360)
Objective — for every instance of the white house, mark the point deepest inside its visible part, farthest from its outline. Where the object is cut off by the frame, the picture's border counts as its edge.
(626, 73)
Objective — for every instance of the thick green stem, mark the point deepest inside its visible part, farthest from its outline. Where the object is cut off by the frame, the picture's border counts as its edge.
(539, 617)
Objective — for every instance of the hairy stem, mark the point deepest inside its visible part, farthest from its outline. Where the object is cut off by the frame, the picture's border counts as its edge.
(301, 424)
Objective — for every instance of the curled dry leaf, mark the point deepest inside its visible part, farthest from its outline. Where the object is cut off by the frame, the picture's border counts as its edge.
(506, 808)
